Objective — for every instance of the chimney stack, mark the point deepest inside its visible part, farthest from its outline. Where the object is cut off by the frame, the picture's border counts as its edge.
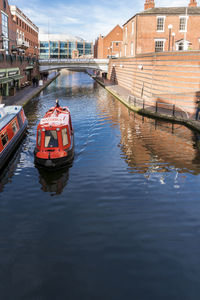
(192, 3)
(150, 4)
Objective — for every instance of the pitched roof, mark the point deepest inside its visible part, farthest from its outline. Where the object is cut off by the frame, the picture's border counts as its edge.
(168, 11)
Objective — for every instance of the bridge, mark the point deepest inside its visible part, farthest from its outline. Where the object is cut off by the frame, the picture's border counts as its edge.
(73, 64)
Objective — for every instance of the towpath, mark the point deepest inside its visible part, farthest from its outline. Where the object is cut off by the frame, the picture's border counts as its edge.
(23, 96)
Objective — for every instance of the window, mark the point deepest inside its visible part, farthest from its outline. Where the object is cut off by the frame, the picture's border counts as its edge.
(132, 27)
(14, 127)
(65, 137)
(132, 49)
(39, 138)
(182, 25)
(4, 139)
(159, 46)
(160, 23)
(125, 50)
(5, 31)
(51, 139)
(126, 32)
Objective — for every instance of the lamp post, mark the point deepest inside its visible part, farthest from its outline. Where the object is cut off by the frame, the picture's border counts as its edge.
(173, 35)
(170, 29)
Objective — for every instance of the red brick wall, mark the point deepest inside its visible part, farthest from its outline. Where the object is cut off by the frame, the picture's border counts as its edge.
(145, 33)
(7, 63)
(103, 43)
(30, 35)
(165, 77)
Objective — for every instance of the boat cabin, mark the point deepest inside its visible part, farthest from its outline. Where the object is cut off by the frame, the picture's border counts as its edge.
(55, 130)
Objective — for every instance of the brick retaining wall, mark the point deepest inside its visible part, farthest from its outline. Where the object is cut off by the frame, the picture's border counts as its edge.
(170, 77)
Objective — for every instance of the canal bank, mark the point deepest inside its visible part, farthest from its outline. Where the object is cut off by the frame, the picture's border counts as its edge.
(24, 96)
(138, 105)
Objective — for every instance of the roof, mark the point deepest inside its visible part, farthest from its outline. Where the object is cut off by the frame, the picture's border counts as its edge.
(168, 11)
(55, 118)
(7, 114)
(117, 26)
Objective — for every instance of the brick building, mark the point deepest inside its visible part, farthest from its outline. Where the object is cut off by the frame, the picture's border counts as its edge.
(16, 67)
(110, 45)
(26, 31)
(159, 29)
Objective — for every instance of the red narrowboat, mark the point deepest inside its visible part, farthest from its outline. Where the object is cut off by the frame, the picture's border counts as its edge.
(13, 126)
(55, 138)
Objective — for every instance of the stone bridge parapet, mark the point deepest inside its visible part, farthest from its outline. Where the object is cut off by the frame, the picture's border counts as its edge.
(76, 64)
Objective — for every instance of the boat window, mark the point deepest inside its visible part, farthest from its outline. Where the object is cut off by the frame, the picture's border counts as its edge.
(51, 139)
(39, 138)
(4, 139)
(64, 137)
(14, 127)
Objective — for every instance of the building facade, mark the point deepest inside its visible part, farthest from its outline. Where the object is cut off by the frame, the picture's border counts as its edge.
(110, 45)
(159, 29)
(63, 48)
(16, 67)
(26, 32)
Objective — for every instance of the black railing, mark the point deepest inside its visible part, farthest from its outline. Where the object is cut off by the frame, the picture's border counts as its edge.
(159, 107)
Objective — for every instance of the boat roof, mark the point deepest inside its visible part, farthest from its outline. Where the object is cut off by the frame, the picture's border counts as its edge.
(7, 113)
(56, 117)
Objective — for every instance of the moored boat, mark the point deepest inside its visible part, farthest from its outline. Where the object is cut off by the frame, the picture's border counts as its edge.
(13, 125)
(55, 138)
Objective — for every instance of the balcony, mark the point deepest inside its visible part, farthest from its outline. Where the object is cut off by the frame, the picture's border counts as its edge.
(22, 44)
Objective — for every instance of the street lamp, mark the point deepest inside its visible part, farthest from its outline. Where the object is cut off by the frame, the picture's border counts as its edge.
(173, 35)
(170, 29)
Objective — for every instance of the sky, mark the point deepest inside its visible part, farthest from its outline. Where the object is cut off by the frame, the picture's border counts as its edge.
(87, 18)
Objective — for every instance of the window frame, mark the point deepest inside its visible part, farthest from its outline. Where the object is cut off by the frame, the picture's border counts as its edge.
(159, 40)
(5, 133)
(186, 19)
(163, 27)
(132, 27)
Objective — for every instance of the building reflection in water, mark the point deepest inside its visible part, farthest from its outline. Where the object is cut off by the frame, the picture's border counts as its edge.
(151, 146)
(53, 181)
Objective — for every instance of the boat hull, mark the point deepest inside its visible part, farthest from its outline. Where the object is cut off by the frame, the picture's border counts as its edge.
(11, 147)
(55, 162)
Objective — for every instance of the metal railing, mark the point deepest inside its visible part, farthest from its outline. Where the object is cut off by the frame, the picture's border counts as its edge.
(159, 107)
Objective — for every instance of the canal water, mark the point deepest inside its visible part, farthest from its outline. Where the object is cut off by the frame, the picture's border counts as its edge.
(122, 223)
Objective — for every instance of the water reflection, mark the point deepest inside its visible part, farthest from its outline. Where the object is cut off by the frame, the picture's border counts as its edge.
(9, 170)
(53, 182)
(148, 145)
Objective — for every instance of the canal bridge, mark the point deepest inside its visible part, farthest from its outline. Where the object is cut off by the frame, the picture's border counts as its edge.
(74, 64)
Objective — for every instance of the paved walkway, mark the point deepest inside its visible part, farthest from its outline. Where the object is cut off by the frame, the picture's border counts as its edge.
(23, 96)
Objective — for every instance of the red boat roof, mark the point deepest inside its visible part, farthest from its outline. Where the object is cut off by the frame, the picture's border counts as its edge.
(56, 116)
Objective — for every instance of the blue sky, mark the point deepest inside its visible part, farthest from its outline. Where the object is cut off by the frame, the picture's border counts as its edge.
(86, 19)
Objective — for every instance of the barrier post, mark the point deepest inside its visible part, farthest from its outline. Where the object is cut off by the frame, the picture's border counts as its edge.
(173, 112)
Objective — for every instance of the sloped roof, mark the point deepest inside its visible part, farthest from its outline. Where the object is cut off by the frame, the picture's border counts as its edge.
(168, 11)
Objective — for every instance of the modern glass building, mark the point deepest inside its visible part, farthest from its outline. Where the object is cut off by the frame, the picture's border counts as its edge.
(65, 49)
